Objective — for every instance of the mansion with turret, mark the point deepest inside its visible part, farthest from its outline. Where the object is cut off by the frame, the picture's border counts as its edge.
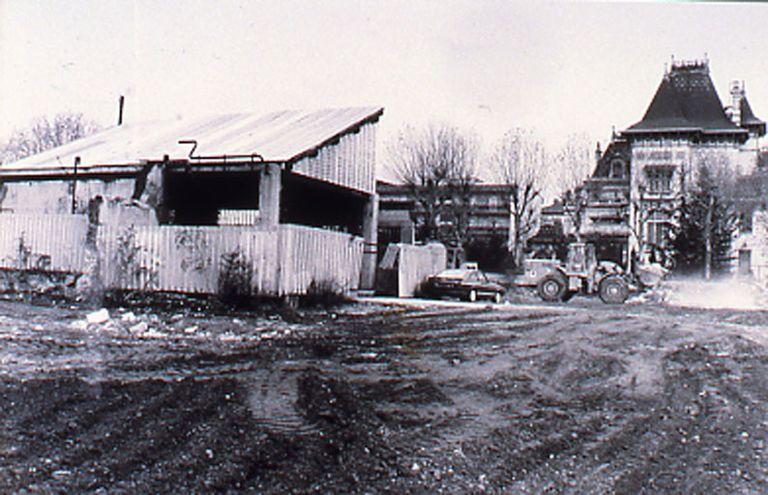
(640, 176)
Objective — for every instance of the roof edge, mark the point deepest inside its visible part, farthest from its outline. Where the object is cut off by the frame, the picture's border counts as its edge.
(370, 119)
(683, 130)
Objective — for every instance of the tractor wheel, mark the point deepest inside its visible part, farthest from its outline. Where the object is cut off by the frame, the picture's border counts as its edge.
(551, 288)
(613, 290)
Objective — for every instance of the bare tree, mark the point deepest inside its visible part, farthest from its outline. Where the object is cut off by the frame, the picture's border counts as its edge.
(575, 202)
(456, 219)
(438, 165)
(45, 134)
(572, 165)
(518, 162)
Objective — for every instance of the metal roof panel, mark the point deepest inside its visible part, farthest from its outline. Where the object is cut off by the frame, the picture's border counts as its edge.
(278, 137)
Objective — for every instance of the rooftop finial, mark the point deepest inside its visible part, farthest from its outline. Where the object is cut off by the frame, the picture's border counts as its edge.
(693, 64)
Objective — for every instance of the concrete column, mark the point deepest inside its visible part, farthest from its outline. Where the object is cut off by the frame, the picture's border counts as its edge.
(269, 195)
(370, 236)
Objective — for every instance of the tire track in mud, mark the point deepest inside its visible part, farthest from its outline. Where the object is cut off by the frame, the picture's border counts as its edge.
(593, 399)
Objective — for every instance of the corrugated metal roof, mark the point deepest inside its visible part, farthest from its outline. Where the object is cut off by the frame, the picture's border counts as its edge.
(278, 137)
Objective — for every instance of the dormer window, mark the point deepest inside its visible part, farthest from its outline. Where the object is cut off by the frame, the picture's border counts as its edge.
(617, 168)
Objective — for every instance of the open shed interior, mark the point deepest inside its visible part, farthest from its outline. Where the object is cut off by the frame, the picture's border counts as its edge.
(315, 203)
(195, 198)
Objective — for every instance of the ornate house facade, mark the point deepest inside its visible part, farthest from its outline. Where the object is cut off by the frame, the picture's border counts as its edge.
(640, 177)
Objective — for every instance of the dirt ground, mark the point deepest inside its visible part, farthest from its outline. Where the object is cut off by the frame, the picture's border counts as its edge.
(582, 398)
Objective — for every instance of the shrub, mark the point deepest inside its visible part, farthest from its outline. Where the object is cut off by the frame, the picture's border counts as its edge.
(324, 293)
(235, 278)
(134, 265)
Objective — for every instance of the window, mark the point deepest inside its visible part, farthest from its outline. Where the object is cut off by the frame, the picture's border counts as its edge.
(659, 179)
(617, 168)
(657, 229)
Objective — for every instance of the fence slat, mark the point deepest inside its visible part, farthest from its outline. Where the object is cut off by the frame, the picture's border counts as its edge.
(284, 261)
(46, 242)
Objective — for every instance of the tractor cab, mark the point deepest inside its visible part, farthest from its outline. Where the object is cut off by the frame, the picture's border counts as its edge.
(581, 260)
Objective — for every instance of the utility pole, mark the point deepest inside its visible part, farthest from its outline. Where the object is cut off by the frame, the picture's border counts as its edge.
(708, 236)
(74, 185)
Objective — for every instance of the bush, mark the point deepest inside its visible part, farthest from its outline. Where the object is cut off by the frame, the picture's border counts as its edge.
(324, 293)
(235, 279)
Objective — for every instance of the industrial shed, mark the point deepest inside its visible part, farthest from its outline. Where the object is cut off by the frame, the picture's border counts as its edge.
(292, 192)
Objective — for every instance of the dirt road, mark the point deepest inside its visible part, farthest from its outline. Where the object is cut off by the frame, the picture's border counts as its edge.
(578, 399)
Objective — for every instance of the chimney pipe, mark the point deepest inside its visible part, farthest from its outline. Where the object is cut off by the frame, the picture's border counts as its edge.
(737, 94)
(120, 111)
(74, 185)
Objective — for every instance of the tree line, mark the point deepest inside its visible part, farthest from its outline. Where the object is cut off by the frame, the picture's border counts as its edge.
(45, 133)
(440, 164)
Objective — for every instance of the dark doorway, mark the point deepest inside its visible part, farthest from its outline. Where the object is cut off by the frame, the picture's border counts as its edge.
(196, 198)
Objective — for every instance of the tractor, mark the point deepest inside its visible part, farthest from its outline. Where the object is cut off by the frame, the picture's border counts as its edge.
(582, 273)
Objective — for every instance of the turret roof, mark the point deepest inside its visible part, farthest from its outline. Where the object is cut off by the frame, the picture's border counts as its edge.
(686, 100)
(747, 116)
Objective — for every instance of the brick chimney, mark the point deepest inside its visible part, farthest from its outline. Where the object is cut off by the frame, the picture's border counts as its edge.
(737, 94)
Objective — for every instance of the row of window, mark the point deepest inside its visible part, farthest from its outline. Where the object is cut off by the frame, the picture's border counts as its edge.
(659, 179)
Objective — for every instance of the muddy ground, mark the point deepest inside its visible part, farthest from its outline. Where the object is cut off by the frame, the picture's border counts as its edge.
(583, 398)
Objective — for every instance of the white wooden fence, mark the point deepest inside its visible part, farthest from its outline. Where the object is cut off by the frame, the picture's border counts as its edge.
(45, 242)
(322, 256)
(186, 259)
(282, 261)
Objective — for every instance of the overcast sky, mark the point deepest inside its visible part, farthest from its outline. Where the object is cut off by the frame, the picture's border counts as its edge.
(556, 67)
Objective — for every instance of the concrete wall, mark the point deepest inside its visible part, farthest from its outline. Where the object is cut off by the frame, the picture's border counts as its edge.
(756, 242)
(116, 211)
(417, 263)
(55, 196)
(405, 267)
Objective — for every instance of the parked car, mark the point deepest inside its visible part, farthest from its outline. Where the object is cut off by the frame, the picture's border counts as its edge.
(467, 283)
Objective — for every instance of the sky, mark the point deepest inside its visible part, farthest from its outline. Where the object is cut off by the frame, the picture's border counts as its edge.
(485, 66)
